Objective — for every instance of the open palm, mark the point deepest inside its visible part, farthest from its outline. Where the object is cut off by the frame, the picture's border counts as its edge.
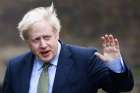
(111, 49)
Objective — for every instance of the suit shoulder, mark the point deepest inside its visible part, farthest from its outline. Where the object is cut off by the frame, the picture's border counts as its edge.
(82, 51)
(20, 59)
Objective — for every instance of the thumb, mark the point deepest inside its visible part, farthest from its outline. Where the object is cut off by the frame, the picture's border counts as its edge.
(100, 56)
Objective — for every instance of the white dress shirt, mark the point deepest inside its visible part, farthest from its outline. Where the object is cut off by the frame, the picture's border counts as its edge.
(116, 66)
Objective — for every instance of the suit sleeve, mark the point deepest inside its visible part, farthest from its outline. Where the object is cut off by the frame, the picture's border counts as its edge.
(108, 80)
(7, 87)
(122, 82)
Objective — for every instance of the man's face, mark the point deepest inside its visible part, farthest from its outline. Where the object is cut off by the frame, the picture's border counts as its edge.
(43, 40)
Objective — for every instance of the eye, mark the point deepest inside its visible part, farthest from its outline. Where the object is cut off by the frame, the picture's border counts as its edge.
(47, 37)
(36, 39)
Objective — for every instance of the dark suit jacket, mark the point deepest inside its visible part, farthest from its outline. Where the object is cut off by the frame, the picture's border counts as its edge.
(78, 71)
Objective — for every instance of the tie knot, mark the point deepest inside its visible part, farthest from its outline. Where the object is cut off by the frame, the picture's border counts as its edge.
(45, 66)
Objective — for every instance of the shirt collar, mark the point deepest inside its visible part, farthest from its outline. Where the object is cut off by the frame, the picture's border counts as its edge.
(38, 63)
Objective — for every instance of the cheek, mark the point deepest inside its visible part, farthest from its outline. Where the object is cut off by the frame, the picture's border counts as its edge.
(53, 43)
(53, 47)
(34, 47)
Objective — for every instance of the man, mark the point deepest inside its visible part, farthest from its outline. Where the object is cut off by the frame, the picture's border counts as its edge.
(70, 69)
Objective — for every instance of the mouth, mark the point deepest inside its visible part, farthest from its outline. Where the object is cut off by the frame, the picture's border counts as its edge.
(45, 53)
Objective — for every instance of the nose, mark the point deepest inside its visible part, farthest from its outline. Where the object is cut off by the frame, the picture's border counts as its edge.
(43, 44)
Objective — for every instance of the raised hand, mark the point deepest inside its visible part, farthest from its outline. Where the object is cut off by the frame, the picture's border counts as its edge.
(111, 49)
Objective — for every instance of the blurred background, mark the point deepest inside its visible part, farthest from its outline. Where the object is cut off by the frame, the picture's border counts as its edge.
(83, 23)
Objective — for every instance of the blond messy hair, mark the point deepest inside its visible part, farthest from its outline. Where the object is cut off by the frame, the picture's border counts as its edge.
(38, 14)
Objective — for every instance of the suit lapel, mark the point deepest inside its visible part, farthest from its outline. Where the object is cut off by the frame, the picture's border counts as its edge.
(26, 73)
(64, 64)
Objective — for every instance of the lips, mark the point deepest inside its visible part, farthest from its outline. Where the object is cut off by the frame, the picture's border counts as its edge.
(45, 53)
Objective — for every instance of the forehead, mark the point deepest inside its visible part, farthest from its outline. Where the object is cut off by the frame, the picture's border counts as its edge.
(41, 27)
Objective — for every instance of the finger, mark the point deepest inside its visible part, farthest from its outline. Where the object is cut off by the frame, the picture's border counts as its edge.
(107, 42)
(116, 43)
(100, 55)
(103, 41)
(111, 40)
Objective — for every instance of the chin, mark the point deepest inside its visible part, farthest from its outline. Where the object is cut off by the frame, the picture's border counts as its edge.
(47, 59)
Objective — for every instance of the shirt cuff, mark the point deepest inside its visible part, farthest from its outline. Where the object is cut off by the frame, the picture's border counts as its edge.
(116, 65)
